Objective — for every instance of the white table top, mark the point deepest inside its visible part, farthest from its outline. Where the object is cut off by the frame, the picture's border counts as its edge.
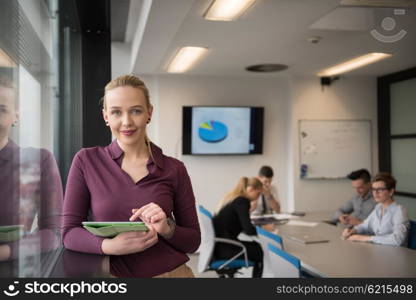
(341, 258)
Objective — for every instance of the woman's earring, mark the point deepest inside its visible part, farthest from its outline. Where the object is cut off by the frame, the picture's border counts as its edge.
(106, 123)
(148, 121)
(14, 124)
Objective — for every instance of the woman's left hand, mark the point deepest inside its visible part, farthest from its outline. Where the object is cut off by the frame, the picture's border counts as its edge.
(359, 238)
(152, 214)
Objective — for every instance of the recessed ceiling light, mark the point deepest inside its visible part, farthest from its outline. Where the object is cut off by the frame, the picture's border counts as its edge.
(185, 58)
(227, 10)
(353, 64)
(266, 68)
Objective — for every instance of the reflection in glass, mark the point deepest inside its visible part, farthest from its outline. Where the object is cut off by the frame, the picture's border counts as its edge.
(403, 107)
(30, 183)
(404, 163)
(30, 193)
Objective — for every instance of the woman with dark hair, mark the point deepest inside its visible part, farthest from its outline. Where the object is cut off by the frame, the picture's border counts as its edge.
(388, 224)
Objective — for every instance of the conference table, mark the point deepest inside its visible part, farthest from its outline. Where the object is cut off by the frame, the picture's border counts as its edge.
(343, 258)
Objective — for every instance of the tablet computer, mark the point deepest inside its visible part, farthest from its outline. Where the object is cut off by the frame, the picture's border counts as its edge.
(111, 229)
(10, 233)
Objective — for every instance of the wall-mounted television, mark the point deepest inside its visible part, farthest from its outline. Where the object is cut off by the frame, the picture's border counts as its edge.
(222, 130)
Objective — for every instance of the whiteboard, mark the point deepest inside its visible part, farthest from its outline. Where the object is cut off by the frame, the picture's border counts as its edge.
(334, 148)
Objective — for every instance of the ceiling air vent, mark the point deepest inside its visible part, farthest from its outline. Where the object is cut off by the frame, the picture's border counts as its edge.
(264, 68)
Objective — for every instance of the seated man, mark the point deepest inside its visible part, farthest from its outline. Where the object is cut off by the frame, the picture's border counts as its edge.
(268, 201)
(357, 209)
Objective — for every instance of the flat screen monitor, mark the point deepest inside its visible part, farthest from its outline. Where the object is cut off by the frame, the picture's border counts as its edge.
(220, 130)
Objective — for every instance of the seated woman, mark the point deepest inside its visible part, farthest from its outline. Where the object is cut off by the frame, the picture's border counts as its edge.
(388, 224)
(233, 217)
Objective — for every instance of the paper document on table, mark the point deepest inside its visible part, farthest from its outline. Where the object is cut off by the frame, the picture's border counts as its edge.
(285, 216)
(274, 216)
(301, 223)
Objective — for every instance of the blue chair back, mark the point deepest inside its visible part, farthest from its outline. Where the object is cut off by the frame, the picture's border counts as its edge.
(206, 250)
(264, 239)
(268, 237)
(283, 264)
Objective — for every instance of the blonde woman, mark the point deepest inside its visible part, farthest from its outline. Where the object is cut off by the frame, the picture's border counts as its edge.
(132, 180)
(233, 217)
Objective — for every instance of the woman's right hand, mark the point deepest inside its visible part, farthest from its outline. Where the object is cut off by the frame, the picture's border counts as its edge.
(5, 252)
(130, 242)
(347, 232)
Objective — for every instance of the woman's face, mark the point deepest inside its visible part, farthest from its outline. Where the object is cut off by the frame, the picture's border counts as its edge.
(252, 193)
(127, 114)
(8, 114)
(380, 192)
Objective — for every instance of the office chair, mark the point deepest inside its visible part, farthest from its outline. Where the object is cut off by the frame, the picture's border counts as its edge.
(264, 238)
(283, 264)
(224, 268)
(412, 236)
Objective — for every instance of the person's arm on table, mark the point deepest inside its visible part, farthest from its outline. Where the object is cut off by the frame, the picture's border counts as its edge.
(342, 214)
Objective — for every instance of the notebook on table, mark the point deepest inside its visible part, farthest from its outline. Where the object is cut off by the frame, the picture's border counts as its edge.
(111, 229)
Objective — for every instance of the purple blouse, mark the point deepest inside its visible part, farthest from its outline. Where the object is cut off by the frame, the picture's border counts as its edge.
(97, 184)
(30, 190)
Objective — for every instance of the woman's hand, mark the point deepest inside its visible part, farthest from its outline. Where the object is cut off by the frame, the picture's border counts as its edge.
(5, 252)
(269, 227)
(359, 238)
(347, 232)
(155, 216)
(130, 242)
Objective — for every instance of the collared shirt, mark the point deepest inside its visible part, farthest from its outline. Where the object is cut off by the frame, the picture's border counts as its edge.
(359, 207)
(391, 228)
(261, 204)
(97, 183)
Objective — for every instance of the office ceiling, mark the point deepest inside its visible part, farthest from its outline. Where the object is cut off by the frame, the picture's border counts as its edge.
(119, 16)
(272, 31)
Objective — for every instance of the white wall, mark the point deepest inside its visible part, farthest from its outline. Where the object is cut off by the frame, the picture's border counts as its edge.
(347, 98)
(213, 176)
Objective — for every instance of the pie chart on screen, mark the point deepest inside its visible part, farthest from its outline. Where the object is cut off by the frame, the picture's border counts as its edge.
(212, 131)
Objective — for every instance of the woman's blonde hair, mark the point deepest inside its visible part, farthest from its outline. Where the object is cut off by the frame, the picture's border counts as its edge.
(134, 82)
(127, 80)
(240, 190)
